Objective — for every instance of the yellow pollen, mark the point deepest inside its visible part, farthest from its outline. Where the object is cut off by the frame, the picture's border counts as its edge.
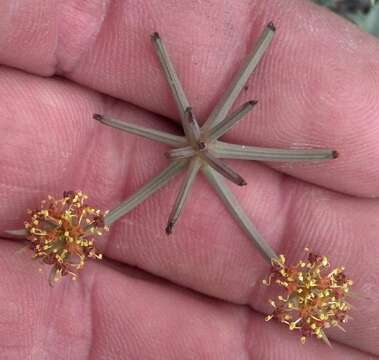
(310, 294)
(57, 237)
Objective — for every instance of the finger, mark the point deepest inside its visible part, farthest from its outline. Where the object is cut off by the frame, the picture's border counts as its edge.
(208, 252)
(331, 102)
(317, 85)
(117, 312)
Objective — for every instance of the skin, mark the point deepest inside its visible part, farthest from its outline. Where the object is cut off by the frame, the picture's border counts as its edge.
(196, 294)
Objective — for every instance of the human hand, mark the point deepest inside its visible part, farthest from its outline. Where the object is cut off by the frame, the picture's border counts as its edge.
(316, 86)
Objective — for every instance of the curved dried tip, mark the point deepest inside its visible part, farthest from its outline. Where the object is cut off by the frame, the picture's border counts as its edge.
(98, 117)
(155, 36)
(62, 233)
(168, 228)
(313, 297)
(271, 26)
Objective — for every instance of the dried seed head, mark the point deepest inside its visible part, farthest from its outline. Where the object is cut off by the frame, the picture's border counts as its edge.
(313, 298)
(200, 149)
(61, 233)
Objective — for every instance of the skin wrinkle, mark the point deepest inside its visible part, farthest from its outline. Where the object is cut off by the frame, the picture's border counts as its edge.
(64, 66)
(48, 328)
(287, 199)
(289, 229)
(92, 316)
(79, 338)
(29, 27)
(83, 292)
(258, 336)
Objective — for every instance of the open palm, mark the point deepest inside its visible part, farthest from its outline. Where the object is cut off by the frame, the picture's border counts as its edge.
(197, 294)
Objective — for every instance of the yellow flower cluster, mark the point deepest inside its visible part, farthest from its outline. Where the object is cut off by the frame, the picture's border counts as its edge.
(313, 299)
(61, 233)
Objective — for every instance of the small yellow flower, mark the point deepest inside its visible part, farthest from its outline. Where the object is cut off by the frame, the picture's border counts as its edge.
(313, 298)
(61, 233)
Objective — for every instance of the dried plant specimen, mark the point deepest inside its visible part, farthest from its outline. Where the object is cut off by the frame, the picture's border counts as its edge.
(313, 296)
(200, 149)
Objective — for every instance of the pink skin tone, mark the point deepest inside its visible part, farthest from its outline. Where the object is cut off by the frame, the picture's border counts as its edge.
(316, 86)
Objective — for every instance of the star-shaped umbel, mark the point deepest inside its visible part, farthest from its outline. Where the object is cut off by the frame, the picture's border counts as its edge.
(200, 150)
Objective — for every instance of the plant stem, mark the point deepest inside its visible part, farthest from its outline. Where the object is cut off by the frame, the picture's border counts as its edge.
(222, 127)
(222, 168)
(225, 103)
(151, 134)
(238, 214)
(172, 78)
(144, 192)
(185, 188)
(242, 152)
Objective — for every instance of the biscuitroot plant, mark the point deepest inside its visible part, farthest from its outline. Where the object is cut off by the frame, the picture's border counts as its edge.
(313, 300)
